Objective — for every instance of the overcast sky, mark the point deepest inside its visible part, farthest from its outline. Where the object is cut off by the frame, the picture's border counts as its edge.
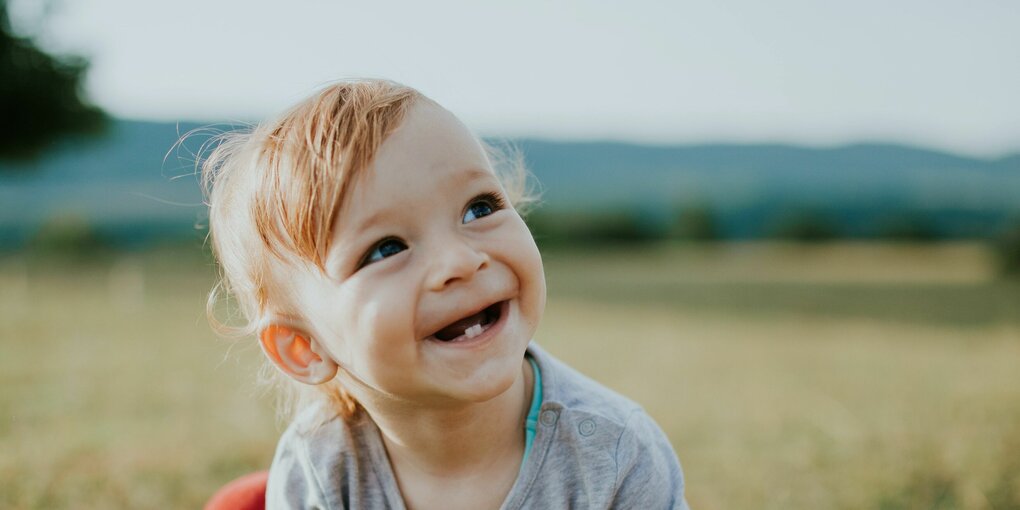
(937, 73)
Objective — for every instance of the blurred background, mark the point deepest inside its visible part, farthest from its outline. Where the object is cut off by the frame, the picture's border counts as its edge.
(791, 230)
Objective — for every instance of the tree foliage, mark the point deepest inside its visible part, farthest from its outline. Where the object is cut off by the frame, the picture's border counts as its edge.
(696, 223)
(1008, 247)
(41, 95)
(805, 225)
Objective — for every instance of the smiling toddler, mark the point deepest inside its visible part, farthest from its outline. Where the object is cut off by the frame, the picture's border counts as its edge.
(379, 258)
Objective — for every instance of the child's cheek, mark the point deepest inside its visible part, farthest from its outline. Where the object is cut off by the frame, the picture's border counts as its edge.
(527, 264)
(381, 312)
(531, 254)
(378, 334)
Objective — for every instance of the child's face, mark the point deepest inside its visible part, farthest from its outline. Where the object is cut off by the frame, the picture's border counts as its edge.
(424, 243)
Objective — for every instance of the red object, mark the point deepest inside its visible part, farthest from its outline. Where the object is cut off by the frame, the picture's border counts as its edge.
(245, 493)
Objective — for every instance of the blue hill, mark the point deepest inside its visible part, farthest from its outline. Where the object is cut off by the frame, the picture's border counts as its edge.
(134, 183)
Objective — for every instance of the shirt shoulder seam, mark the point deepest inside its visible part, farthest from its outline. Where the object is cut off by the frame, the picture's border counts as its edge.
(619, 440)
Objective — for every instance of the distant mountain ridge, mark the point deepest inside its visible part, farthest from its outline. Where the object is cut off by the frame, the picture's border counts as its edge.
(132, 181)
(750, 187)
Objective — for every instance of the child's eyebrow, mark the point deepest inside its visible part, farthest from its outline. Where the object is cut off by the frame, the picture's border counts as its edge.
(460, 179)
(475, 173)
(371, 221)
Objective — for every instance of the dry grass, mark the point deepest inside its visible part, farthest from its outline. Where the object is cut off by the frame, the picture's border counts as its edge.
(792, 389)
(806, 413)
(110, 402)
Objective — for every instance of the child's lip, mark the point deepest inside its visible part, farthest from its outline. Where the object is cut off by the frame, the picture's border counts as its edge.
(504, 310)
(462, 315)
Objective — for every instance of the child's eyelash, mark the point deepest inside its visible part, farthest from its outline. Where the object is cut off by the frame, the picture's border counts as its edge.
(493, 199)
(497, 200)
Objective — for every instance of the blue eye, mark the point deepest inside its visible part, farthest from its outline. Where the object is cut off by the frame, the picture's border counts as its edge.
(386, 248)
(482, 206)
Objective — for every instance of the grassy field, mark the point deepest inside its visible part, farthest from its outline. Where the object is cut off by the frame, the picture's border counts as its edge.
(833, 376)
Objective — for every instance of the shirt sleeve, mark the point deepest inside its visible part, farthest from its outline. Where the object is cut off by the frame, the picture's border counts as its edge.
(292, 482)
(648, 471)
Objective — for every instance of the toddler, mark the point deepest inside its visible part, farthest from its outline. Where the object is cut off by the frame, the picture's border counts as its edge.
(379, 258)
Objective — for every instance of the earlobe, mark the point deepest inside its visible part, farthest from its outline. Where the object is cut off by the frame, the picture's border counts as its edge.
(296, 354)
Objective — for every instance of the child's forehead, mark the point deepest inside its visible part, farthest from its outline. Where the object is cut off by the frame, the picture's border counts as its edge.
(430, 138)
(430, 147)
(431, 157)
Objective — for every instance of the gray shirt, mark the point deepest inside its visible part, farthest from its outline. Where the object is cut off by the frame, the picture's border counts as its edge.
(593, 449)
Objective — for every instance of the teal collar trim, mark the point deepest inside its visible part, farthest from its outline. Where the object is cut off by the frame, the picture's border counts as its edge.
(531, 423)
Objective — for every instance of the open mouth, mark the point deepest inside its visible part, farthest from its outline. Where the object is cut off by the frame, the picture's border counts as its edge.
(471, 326)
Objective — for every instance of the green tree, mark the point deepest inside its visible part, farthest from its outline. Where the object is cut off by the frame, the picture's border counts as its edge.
(907, 226)
(1007, 246)
(696, 223)
(806, 225)
(41, 95)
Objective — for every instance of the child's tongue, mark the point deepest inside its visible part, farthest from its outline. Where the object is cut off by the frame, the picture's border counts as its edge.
(457, 328)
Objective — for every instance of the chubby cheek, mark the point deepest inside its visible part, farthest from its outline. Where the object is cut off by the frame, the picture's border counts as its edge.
(382, 344)
(537, 292)
(527, 265)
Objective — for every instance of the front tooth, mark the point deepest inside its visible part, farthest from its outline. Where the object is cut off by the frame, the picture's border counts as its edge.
(473, 331)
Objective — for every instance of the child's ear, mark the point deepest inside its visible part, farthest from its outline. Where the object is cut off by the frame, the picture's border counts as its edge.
(295, 353)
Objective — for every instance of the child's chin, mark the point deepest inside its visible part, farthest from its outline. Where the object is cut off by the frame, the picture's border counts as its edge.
(486, 384)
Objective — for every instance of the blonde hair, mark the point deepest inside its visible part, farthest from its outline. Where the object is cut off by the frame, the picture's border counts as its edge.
(274, 193)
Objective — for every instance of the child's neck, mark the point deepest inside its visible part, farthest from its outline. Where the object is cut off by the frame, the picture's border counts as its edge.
(457, 457)
(453, 441)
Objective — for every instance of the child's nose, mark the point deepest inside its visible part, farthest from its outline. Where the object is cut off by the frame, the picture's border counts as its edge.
(455, 260)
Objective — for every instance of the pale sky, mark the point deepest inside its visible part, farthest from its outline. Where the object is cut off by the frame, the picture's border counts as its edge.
(943, 74)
